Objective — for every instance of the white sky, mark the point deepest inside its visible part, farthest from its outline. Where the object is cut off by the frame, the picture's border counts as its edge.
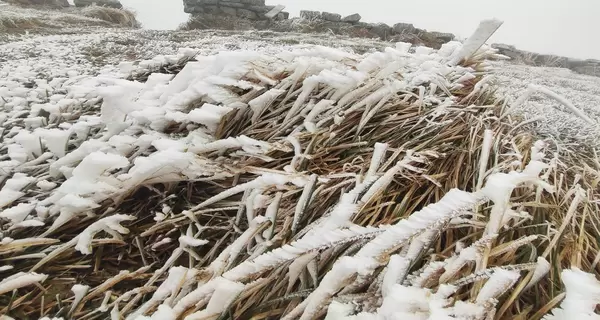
(564, 27)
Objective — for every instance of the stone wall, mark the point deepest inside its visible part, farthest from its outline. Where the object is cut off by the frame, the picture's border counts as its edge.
(589, 67)
(246, 9)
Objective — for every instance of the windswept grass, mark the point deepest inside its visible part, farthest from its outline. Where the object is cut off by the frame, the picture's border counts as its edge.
(121, 17)
(310, 194)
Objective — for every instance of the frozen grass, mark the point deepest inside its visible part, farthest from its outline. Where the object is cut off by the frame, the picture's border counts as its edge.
(20, 20)
(121, 17)
(287, 183)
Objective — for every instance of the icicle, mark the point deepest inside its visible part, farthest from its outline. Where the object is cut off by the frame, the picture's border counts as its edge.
(541, 270)
(396, 272)
(110, 225)
(484, 157)
(499, 283)
(485, 30)
(304, 201)
(20, 280)
(79, 292)
(263, 102)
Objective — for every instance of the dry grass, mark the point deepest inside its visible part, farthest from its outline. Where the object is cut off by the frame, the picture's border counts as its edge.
(121, 17)
(13, 21)
(449, 147)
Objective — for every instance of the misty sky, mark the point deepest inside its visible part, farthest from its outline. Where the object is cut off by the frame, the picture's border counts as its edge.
(564, 27)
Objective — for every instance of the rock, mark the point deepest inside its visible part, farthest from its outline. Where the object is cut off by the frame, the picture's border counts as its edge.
(229, 11)
(443, 36)
(274, 12)
(231, 4)
(333, 17)
(282, 16)
(259, 9)
(382, 30)
(254, 2)
(404, 28)
(101, 3)
(353, 18)
(211, 9)
(247, 14)
(310, 15)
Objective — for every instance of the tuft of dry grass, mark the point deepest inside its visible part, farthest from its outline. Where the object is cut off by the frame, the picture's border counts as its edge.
(121, 17)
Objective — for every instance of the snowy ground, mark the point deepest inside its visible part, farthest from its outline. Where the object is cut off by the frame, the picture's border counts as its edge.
(581, 90)
(26, 58)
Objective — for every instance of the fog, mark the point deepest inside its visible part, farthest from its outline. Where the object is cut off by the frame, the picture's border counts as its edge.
(545, 26)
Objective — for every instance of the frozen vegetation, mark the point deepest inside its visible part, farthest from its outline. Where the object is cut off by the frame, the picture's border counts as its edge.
(276, 176)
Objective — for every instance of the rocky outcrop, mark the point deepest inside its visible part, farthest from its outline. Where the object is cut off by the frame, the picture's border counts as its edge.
(101, 3)
(589, 67)
(243, 9)
(207, 14)
(333, 17)
(310, 15)
(353, 18)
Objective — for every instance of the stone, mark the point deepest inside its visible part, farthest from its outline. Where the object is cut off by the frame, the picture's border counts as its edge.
(310, 15)
(231, 4)
(404, 28)
(333, 17)
(282, 16)
(247, 14)
(254, 2)
(382, 30)
(353, 18)
(201, 2)
(259, 9)
(228, 11)
(274, 12)
(211, 9)
(101, 3)
(443, 36)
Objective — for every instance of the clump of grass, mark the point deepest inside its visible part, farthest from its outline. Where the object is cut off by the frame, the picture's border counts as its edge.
(121, 17)
(314, 196)
(10, 21)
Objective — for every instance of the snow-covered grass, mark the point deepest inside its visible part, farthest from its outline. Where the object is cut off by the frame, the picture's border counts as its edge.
(279, 181)
(19, 20)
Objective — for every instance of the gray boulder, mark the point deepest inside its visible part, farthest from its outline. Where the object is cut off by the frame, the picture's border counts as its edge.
(253, 2)
(228, 11)
(382, 30)
(404, 28)
(333, 17)
(101, 3)
(353, 18)
(231, 4)
(443, 36)
(282, 16)
(247, 14)
(310, 15)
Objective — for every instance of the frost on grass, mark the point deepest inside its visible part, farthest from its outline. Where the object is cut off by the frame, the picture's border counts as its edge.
(303, 183)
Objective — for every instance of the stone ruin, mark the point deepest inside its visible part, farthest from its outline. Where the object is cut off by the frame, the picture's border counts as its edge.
(244, 9)
(259, 16)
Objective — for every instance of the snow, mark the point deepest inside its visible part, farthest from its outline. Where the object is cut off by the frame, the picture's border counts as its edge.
(20, 280)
